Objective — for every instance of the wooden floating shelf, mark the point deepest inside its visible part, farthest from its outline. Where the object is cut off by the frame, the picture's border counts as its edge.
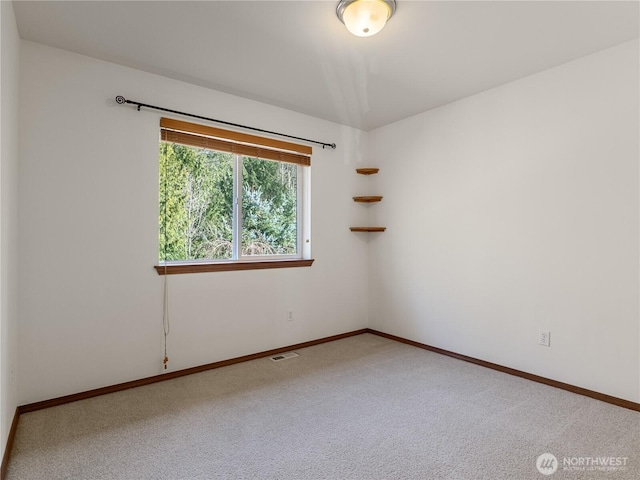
(367, 199)
(368, 229)
(367, 171)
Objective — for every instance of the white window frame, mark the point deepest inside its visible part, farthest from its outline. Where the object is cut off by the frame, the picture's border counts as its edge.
(303, 247)
(241, 145)
(237, 218)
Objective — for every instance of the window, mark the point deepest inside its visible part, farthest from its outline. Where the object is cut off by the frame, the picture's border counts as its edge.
(230, 201)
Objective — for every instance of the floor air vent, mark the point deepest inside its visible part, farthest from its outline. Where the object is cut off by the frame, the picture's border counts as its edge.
(284, 356)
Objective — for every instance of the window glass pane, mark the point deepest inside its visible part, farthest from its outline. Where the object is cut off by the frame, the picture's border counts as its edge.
(196, 193)
(269, 207)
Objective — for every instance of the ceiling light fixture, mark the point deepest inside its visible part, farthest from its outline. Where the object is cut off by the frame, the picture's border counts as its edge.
(364, 18)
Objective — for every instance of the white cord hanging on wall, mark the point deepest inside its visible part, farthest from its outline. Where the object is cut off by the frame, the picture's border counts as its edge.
(165, 303)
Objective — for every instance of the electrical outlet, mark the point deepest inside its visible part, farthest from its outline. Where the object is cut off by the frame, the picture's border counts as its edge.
(544, 338)
(289, 315)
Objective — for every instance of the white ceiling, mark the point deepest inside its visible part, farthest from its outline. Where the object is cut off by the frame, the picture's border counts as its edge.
(297, 54)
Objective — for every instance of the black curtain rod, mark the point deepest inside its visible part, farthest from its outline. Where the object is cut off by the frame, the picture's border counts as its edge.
(121, 100)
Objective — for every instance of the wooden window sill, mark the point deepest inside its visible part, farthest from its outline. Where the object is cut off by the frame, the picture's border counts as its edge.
(178, 268)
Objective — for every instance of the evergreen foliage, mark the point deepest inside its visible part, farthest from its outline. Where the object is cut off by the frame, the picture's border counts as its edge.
(196, 205)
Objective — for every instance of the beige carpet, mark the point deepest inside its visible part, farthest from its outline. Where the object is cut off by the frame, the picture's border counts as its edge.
(359, 408)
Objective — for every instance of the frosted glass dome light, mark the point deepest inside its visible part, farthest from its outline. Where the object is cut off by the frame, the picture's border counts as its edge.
(364, 18)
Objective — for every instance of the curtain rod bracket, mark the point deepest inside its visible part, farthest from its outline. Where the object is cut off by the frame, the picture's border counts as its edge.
(120, 100)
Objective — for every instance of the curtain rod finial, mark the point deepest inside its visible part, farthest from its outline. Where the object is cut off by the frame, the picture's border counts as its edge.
(120, 100)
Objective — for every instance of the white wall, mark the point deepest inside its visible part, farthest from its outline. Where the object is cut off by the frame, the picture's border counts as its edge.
(508, 212)
(517, 210)
(90, 301)
(9, 68)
